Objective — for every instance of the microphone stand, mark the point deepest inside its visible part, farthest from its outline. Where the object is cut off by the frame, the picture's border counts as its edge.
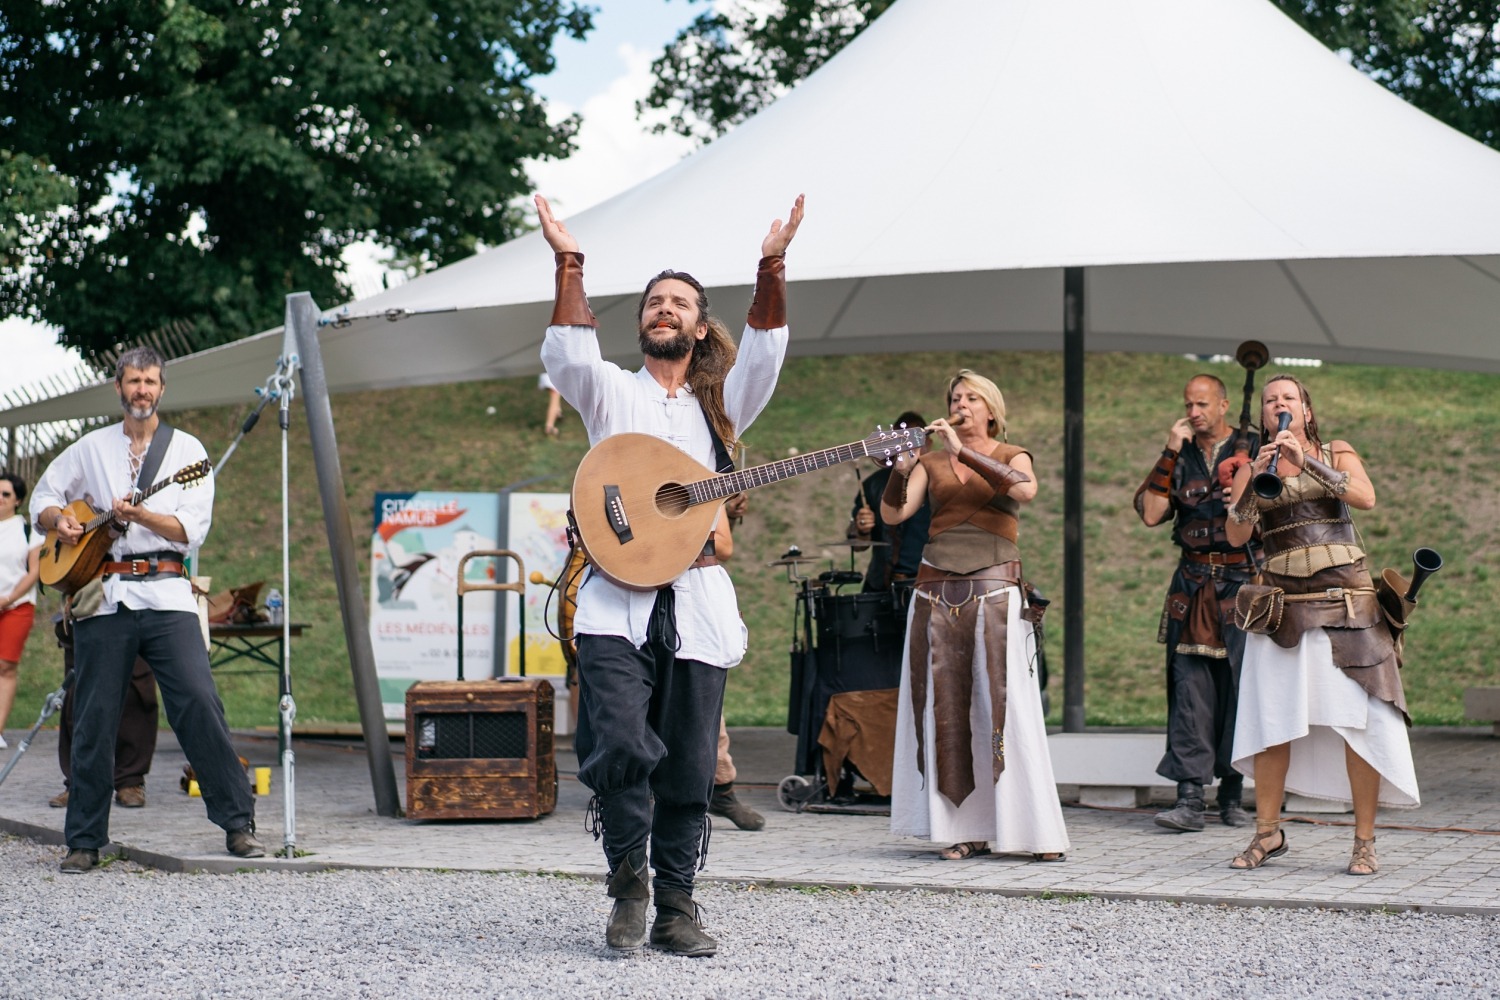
(283, 386)
(52, 704)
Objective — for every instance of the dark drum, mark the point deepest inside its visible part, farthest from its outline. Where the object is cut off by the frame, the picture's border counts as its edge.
(860, 638)
(856, 616)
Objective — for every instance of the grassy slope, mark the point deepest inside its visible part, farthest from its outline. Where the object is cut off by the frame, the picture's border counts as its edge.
(1429, 439)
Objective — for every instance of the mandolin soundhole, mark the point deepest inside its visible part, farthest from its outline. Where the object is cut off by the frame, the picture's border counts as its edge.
(672, 500)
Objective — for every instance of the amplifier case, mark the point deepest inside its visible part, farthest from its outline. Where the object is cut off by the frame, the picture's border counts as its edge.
(480, 749)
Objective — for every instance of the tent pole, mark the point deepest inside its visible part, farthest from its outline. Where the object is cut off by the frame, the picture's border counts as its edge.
(1075, 321)
(303, 314)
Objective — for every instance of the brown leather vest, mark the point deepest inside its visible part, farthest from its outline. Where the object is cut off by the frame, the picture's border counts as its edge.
(971, 527)
(1317, 521)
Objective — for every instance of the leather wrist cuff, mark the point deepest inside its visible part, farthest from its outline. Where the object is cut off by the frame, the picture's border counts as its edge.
(895, 490)
(570, 307)
(1245, 509)
(999, 475)
(768, 308)
(1160, 480)
(1336, 482)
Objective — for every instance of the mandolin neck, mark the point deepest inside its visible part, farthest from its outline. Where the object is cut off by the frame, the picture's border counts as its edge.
(108, 515)
(719, 487)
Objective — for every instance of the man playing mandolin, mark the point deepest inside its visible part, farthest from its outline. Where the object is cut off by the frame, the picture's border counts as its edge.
(651, 662)
(146, 608)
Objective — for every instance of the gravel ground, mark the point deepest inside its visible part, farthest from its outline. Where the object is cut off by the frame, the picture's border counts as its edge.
(127, 931)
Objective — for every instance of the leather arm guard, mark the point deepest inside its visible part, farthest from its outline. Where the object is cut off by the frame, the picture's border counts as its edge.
(1160, 480)
(1246, 510)
(1336, 482)
(895, 490)
(768, 307)
(570, 307)
(999, 475)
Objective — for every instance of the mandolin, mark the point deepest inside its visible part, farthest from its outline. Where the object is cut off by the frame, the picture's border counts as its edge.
(65, 567)
(644, 508)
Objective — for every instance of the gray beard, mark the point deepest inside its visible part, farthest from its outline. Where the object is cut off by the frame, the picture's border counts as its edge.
(145, 413)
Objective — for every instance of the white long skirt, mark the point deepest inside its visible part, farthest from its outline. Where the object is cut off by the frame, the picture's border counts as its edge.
(1021, 811)
(1298, 696)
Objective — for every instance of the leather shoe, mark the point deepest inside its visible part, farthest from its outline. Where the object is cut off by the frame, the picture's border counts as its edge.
(242, 843)
(78, 861)
(60, 800)
(131, 797)
(679, 926)
(1232, 814)
(725, 803)
(630, 889)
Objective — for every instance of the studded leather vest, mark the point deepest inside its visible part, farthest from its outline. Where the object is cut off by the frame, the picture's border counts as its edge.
(1307, 529)
(1198, 501)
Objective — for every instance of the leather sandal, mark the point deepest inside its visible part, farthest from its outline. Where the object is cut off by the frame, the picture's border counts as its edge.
(1364, 857)
(965, 849)
(1256, 854)
(1050, 857)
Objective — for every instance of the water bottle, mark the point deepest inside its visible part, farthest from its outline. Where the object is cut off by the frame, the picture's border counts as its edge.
(273, 606)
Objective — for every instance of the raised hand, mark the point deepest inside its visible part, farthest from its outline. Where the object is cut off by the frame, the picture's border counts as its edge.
(556, 233)
(1180, 434)
(942, 428)
(781, 233)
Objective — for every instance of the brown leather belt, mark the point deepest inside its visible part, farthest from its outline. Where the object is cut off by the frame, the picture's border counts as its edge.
(1217, 558)
(707, 557)
(144, 568)
(1002, 573)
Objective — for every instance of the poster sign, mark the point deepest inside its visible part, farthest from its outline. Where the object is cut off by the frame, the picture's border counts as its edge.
(537, 526)
(415, 549)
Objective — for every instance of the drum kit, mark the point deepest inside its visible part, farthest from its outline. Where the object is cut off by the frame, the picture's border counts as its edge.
(840, 642)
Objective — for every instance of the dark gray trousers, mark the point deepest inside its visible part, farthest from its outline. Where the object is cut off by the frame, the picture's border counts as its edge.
(104, 651)
(648, 727)
(1200, 718)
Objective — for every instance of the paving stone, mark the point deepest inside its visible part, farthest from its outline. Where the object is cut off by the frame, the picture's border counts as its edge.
(1452, 861)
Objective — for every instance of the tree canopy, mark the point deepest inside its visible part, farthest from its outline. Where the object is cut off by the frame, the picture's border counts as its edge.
(190, 162)
(731, 61)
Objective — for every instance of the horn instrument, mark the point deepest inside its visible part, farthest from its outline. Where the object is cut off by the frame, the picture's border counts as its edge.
(1267, 485)
(1251, 355)
(1425, 562)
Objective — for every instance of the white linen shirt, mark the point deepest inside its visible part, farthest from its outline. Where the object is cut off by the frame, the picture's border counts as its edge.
(614, 401)
(96, 468)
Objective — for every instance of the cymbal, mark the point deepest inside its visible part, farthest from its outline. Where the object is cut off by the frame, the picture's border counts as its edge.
(854, 543)
(793, 561)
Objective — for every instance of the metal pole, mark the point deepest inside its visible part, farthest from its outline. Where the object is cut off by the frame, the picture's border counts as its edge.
(285, 387)
(1075, 321)
(303, 316)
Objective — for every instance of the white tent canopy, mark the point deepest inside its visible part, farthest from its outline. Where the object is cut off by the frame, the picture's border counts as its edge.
(1220, 173)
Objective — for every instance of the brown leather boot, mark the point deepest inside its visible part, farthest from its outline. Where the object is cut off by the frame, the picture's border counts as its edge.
(677, 928)
(724, 803)
(630, 889)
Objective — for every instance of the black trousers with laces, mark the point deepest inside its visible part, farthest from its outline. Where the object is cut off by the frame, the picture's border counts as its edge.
(648, 729)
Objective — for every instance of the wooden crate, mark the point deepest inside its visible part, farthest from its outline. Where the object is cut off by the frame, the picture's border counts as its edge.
(480, 749)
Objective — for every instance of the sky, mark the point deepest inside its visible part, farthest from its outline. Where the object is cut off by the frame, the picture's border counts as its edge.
(601, 78)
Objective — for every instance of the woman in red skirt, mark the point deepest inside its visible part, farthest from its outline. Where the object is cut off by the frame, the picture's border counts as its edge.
(19, 553)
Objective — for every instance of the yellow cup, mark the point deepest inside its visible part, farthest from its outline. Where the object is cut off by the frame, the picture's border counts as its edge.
(193, 789)
(262, 781)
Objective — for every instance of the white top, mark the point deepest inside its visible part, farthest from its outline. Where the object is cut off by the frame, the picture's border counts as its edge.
(14, 552)
(612, 401)
(97, 468)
